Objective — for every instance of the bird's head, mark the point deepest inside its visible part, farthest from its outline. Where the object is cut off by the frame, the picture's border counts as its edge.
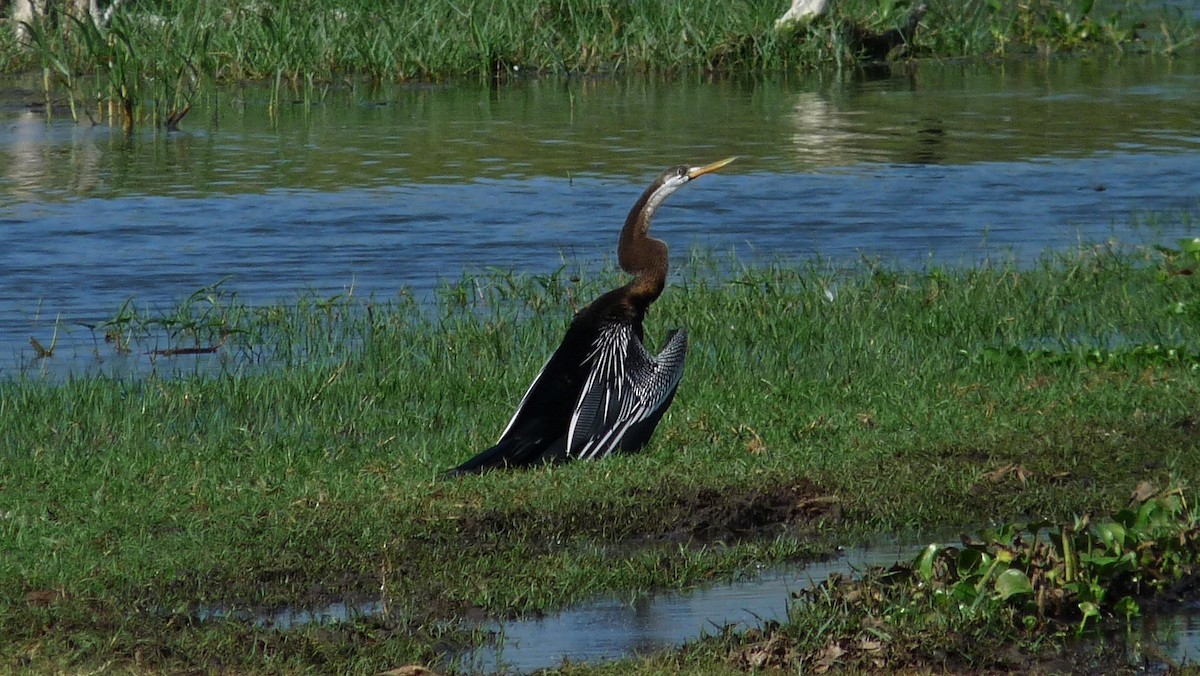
(642, 255)
(668, 182)
(675, 177)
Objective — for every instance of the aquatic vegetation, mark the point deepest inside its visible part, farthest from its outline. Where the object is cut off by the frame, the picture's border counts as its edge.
(151, 60)
(1012, 596)
(1076, 571)
(128, 71)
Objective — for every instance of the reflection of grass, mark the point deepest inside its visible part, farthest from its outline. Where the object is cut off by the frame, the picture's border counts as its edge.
(153, 57)
(819, 404)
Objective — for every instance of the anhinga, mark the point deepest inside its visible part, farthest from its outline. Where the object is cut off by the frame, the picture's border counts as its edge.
(601, 391)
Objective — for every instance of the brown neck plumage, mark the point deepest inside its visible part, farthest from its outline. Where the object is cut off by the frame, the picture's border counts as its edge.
(640, 254)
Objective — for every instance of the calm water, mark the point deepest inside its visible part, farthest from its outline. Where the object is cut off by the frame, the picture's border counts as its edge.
(617, 628)
(614, 628)
(378, 189)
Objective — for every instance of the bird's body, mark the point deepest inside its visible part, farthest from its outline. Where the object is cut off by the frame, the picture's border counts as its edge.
(602, 392)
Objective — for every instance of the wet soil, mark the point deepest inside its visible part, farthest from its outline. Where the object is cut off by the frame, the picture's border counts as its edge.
(643, 520)
(703, 516)
(770, 649)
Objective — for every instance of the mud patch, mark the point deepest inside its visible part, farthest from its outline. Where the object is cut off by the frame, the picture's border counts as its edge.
(728, 513)
(709, 514)
(1188, 427)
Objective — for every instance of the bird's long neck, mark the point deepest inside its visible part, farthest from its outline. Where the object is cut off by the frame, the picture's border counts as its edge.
(640, 254)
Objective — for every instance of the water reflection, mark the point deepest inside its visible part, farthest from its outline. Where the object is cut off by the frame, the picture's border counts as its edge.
(289, 618)
(1173, 635)
(375, 189)
(616, 628)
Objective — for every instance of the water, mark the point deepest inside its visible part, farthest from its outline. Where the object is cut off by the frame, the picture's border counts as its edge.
(378, 189)
(615, 628)
(287, 618)
(612, 628)
(1174, 634)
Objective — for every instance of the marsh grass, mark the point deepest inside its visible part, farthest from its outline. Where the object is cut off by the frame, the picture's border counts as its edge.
(153, 59)
(820, 403)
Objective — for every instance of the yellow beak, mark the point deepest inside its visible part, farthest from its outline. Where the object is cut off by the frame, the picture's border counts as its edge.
(695, 172)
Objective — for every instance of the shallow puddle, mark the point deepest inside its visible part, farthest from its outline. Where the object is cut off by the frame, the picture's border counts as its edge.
(1173, 635)
(287, 618)
(614, 628)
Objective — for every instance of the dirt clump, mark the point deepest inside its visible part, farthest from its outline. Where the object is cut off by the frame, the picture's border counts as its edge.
(706, 514)
(711, 514)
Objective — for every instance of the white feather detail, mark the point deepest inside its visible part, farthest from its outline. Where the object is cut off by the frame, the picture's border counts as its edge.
(625, 386)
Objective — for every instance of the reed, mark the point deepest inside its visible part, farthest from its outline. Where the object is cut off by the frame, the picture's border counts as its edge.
(153, 58)
(821, 403)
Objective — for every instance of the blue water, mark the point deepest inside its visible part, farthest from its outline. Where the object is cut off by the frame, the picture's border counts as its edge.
(376, 191)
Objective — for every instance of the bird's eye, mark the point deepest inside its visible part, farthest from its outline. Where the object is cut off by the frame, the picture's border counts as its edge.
(682, 171)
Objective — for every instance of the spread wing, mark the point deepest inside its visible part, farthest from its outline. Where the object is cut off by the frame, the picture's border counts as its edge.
(591, 398)
(626, 392)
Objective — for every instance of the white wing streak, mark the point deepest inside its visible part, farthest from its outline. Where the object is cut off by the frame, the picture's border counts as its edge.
(625, 386)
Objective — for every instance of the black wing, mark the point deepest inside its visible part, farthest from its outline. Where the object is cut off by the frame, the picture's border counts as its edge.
(537, 431)
(590, 399)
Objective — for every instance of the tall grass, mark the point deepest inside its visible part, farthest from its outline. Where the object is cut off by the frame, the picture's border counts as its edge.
(153, 57)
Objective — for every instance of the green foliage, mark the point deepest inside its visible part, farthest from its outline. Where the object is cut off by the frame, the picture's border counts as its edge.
(821, 403)
(152, 59)
(1013, 596)
(135, 68)
(1067, 26)
(1073, 571)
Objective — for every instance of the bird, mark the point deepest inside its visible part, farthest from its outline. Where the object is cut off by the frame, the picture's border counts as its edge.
(602, 392)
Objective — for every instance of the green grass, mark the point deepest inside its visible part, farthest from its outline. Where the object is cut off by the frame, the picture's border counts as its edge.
(154, 58)
(820, 404)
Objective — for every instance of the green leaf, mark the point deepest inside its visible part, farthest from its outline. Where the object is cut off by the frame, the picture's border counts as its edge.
(1112, 535)
(1191, 245)
(1127, 607)
(964, 592)
(1012, 582)
(1097, 560)
(972, 562)
(1089, 609)
(924, 562)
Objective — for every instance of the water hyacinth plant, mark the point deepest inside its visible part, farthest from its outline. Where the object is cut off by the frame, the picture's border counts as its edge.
(1074, 571)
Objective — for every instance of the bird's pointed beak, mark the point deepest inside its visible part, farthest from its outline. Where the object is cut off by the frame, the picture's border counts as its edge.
(696, 172)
